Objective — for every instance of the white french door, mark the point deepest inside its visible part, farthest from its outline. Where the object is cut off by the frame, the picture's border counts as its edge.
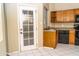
(27, 27)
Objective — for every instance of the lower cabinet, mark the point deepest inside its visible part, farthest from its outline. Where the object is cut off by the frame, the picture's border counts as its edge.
(49, 39)
(72, 37)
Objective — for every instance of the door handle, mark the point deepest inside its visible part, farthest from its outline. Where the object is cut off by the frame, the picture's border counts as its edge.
(21, 32)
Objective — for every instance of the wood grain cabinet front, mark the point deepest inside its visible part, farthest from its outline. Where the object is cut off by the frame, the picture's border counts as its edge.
(59, 16)
(76, 11)
(65, 16)
(49, 39)
(53, 17)
(70, 16)
(72, 37)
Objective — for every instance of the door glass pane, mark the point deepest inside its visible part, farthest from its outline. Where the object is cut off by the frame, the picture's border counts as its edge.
(25, 28)
(25, 35)
(25, 21)
(30, 27)
(31, 20)
(28, 12)
(31, 41)
(28, 33)
(25, 42)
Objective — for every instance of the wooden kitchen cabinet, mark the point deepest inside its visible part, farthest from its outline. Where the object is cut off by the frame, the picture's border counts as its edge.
(70, 16)
(76, 11)
(65, 16)
(53, 17)
(49, 39)
(59, 16)
(72, 37)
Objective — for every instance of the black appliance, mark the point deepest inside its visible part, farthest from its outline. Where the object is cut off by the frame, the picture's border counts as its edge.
(76, 34)
(63, 36)
(76, 26)
(77, 38)
(77, 18)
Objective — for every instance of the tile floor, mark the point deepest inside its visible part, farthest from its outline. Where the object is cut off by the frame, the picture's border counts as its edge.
(61, 50)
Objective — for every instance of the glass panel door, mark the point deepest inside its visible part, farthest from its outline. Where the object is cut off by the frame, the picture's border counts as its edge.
(27, 28)
(28, 35)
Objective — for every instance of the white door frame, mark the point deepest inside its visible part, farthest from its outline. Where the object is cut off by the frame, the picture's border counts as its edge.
(35, 26)
(2, 32)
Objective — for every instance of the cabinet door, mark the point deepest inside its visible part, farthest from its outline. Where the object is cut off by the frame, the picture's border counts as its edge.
(49, 39)
(65, 16)
(53, 40)
(68, 16)
(59, 15)
(72, 37)
(53, 17)
(53, 14)
(76, 11)
(46, 39)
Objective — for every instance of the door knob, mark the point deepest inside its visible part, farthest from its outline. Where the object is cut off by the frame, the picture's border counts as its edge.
(21, 33)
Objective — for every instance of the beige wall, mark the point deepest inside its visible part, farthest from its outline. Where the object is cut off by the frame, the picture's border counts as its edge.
(65, 6)
(2, 32)
(12, 27)
(46, 5)
(52, 6)
(62, 6)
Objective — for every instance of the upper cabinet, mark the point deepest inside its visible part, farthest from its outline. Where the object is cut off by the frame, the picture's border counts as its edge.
(63, 12)
(76, 11)
(63, 16)
(59, 16)
(70, 15)
(53, 17)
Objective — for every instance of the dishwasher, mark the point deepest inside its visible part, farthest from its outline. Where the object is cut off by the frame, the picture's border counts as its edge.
(63, 36)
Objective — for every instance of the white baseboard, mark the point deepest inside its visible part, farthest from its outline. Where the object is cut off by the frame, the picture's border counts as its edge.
(12, 53)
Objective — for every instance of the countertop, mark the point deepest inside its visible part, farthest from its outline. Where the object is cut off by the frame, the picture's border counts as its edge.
(54, 29)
